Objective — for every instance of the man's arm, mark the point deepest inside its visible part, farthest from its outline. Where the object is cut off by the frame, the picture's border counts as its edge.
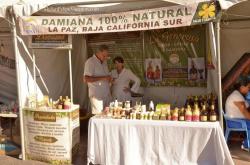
(90, 79)
(242, 107)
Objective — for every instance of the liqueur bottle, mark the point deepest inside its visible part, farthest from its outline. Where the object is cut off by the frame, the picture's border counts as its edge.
(203, 113)
(182, 115)
(175, 114)
(67, 103)
(188, 114)
(196, 101)
(196, 113)
(116, 103)
(191, 101)
(201, 101)
(168, 114)
(212, 115)
(151, 106)
(187, 101)
(60, 103)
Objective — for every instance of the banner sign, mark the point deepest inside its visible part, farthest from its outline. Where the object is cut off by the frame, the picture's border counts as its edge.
(50, 136)
(176, 57)
(50, 41)
(158, 18)
(163, 57)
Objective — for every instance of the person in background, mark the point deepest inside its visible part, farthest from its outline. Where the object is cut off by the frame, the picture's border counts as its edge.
(245, 75)
(121, 79)
(237, 107)
(97, 76)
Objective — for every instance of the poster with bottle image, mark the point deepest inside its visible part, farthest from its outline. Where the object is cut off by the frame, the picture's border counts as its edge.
(196, 69)
(153, 70)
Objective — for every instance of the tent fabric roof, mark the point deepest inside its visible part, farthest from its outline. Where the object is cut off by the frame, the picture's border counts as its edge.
(29, 7)
(4, 4)
(238, 12)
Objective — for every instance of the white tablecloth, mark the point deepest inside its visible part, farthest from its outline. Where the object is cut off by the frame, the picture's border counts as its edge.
(138, 142)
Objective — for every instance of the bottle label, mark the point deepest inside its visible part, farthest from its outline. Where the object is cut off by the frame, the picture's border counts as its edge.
(212, 118)
(188, 118)
(182, 118)
(175, 118)
(66, 106)
(203, 118)
(196, 118)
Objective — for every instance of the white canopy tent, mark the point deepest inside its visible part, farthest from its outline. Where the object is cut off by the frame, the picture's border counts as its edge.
(235, 34)
(52, 7)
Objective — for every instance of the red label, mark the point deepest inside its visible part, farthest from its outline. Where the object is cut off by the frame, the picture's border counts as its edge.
(196, 118)
(188, 117)
(174, 118)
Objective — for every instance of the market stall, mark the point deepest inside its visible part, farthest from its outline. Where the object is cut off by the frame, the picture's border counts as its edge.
(183, 17)
(157, 18)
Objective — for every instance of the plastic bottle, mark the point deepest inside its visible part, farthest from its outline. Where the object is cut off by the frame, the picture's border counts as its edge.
(151, 106)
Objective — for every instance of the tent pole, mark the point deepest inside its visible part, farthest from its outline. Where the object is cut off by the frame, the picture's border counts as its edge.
(219, 73)
(70, 76)
(17, 56)
(34, 72)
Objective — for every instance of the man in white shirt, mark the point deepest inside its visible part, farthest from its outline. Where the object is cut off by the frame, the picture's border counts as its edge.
(237, 106)
(97, 75)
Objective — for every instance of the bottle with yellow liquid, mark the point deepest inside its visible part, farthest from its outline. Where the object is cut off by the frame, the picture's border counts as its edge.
(196, 113)
(188, 114)
(175, 114)
(203, 117)
(212, 115)
(182, 115)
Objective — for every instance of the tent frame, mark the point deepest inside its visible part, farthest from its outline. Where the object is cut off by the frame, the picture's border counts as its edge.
(17, 56)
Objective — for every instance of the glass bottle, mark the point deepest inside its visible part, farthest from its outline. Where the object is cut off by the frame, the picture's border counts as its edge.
(60, 103)
(212, 115)
(203, 113)
(67, 103)
(188, 114)
(175, 114)
(187, 101)
(182, 114)
(151, 106)
(196, 113)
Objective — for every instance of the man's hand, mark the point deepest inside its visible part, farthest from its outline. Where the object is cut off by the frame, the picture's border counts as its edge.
(126, 90)
(108, 78)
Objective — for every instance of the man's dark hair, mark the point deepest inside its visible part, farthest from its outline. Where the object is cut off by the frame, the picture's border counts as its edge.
(102, 48)
(243, 82)
(118, 59)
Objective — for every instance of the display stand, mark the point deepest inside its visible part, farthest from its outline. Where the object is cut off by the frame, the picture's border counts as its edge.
(51, 136)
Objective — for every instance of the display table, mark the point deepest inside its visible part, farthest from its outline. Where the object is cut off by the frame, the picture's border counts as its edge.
(150, 142)
(51, 136)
